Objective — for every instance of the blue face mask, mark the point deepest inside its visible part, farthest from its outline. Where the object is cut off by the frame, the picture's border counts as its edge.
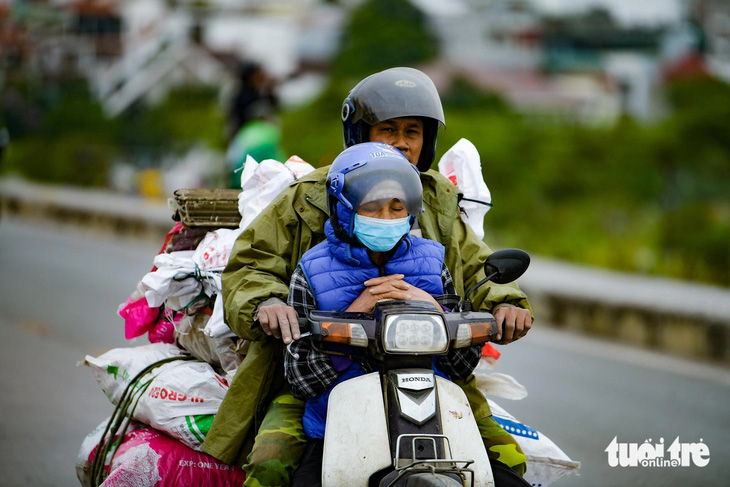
(380, 235)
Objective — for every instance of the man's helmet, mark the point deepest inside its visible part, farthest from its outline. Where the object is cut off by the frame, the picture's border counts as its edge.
(393, 93)
(369, 172)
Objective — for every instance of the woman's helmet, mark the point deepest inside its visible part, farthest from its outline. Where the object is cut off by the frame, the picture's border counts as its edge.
(370, 172)
(393, 93)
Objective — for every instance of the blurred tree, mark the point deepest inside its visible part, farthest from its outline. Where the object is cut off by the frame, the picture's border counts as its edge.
(382, 34)
(630, 197)
(463, 94)
(74, 143)
(187, 116)
(693, 157)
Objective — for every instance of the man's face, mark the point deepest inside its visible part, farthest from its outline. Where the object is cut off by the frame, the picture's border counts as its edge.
(404, 133)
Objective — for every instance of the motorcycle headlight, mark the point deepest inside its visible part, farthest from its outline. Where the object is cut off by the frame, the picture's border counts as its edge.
(415, 333)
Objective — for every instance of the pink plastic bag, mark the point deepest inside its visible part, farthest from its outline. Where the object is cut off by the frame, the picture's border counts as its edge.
(148, 457)
(164, 330)
(139, 318)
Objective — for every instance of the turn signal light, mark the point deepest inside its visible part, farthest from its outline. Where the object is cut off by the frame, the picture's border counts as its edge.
(347, 333)
(468, 334)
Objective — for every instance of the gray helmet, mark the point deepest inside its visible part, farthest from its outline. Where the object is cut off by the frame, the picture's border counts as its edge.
(394, 93)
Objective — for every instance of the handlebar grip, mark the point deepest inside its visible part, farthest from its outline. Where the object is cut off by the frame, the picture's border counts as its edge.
(304, 324)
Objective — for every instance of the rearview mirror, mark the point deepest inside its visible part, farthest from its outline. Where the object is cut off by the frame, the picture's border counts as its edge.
(502, 267)
(506, 265)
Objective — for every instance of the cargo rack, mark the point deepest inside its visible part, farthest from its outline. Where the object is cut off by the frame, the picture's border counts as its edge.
(214, 208)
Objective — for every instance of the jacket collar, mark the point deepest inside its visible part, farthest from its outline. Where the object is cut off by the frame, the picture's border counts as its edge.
(311, 205)
(444, 196)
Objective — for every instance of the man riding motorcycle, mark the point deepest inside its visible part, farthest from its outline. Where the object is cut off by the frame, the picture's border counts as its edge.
(400, 107)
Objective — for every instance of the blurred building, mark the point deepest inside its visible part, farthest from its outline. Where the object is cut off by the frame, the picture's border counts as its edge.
(136, 50)
(159, 51)
(713, 18)
(584, 66)
(506, 46)
(502, 34)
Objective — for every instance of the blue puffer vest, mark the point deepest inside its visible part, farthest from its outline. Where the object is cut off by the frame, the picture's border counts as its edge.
(336, 271)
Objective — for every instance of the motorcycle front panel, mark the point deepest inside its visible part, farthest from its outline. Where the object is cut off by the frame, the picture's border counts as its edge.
(460, 426)
(356, 435)
(356, 441)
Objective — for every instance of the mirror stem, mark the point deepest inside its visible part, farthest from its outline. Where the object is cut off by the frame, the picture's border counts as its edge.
(466, 305)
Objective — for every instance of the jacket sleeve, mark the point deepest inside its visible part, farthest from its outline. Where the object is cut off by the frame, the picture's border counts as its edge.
(474, 253)
(464, 252)
(262, 261)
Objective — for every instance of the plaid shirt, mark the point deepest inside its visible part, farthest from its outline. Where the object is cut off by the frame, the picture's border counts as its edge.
(314, 372)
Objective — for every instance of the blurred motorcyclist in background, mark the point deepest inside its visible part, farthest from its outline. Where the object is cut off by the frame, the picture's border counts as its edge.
(4, 141)
(254, 85)
(253, 127)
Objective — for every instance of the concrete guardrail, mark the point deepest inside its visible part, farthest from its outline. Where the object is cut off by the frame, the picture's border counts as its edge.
(678, 317)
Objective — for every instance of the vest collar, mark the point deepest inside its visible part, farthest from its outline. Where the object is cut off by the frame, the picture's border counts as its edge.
(357, 254)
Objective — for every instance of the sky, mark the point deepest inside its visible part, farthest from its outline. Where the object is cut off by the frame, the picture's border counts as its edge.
(625, 11)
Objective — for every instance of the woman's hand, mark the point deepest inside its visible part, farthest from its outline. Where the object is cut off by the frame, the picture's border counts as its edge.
(387, 288)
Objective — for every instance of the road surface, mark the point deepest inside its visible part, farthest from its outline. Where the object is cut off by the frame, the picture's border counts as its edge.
(60, 288)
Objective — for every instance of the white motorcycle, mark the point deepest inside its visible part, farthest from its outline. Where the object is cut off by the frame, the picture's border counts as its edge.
(402, 425)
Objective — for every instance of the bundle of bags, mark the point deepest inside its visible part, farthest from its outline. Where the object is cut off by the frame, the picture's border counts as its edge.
(166, 393)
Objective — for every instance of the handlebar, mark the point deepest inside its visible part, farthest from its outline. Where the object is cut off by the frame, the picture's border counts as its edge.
(288, 347)
(303, 324)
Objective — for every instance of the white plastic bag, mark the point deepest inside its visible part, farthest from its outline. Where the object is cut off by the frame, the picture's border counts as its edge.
(181, 400)
(298, 166)
(546, 463)
(218, 351)
(178, 282)
(500, 385)
(462, 166)
(114, 369)
(213, 252)
(216, 326)
(262, 182)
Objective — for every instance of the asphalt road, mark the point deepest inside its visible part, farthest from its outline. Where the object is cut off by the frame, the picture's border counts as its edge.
(59, 291)
(60, 288)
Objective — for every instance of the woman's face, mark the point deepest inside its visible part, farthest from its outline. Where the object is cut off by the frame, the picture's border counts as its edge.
(388, 210)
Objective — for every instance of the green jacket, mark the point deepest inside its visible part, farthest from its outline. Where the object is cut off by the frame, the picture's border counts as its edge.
(260, 267)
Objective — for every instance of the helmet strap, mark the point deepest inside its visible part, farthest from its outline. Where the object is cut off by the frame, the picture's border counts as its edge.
(340, 232)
